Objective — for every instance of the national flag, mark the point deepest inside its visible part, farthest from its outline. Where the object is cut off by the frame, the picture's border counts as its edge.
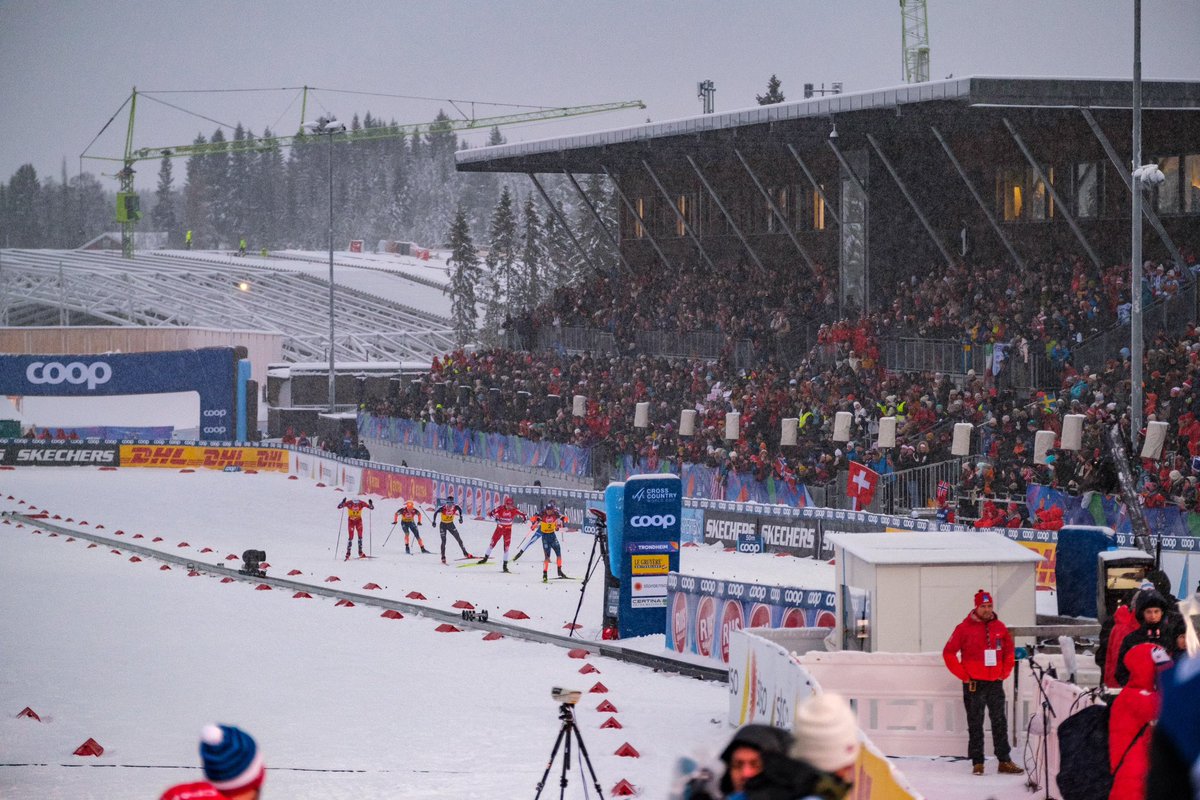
(943, 492)
(860, 485)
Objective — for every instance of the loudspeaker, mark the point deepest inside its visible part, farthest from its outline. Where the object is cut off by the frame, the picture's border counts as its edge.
(687, 422)
(788, 435)
(841, 426)
(579, 406)
(1072, 432)
(1042, 442)
(1156, 436)
(960, 445)
(641, 415)
(887, 432)
(733, 425)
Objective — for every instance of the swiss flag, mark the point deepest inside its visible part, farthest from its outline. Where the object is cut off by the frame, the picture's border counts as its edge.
(860, 485)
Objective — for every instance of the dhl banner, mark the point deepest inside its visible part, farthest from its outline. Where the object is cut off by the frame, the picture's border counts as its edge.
(194, 456)
(1045, 570)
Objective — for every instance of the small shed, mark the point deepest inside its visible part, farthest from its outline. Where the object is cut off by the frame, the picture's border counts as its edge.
(905, 592)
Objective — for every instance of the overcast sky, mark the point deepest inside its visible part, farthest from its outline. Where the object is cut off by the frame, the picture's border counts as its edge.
(67, 66)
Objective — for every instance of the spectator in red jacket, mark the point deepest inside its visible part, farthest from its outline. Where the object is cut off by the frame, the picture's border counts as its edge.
(1131, 720)
(980, 653)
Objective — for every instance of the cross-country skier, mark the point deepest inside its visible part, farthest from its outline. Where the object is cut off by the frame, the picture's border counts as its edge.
(547, 523)
(445, 513)
(354, 509)
(409, 517)
(504, 515)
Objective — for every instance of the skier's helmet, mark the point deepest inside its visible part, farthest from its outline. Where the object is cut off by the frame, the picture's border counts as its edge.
(508, 501)
(409, 504)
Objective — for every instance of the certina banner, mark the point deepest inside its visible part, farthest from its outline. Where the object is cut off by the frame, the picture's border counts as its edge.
(210, 372)
(58, 454)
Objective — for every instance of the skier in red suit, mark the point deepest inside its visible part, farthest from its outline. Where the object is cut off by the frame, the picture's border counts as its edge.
(504, 515)
(354, 509)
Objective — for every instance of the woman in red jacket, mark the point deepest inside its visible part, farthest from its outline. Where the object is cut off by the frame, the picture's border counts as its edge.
(1131, 720)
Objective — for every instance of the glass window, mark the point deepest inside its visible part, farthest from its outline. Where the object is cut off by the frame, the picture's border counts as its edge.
(1168, 190)
(1191, 184)
(1021, 196)
(639, 230)
(1087, 190)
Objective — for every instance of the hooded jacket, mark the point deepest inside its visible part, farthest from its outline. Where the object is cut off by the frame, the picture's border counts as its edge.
(964, 652)
(1134, 711)
(1158, 633)
(1123, 623)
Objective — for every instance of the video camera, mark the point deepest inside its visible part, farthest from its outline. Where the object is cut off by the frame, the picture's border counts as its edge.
(566, 696)
(251, 561)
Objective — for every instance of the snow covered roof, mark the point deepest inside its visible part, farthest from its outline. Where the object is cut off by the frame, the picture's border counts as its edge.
(978, 91)
(941, 547)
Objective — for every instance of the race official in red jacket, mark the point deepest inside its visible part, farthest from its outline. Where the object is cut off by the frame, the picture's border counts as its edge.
(980, 653)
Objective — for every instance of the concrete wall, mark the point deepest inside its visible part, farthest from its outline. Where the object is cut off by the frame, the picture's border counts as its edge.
(421, 458)
(264, 346)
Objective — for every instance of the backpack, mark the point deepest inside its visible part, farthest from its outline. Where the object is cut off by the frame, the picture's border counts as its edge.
(1083, 772)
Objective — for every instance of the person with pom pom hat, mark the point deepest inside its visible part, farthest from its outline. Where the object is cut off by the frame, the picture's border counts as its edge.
(232, 762)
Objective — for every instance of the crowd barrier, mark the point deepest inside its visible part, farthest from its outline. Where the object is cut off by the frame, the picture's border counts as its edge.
(766, 684)
(109, 433)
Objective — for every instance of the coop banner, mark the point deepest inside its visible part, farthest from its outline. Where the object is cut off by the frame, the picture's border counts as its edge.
(170, 456)
(209, 372)
(702, 613)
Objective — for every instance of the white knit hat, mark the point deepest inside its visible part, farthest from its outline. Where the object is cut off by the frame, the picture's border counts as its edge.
(826, 733)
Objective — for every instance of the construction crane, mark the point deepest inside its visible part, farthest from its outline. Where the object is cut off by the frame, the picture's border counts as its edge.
(914, 40)
(128, 206)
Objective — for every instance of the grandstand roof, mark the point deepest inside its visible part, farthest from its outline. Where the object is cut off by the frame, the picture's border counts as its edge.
(582, 152)
(387, 307)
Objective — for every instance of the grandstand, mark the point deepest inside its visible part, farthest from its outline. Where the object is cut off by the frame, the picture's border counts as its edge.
(387, 308)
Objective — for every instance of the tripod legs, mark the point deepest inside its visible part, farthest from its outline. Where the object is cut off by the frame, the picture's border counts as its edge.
(564, 734)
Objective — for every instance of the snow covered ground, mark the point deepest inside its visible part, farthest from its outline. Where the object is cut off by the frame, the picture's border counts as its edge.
(344, 703)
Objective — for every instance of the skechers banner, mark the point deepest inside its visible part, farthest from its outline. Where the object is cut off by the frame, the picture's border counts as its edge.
(210, 372)
(58, 454)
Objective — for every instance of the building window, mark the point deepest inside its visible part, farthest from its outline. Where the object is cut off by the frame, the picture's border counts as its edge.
(1087, 190)
(780, 196)
(639, 228)
(1168, 190)
(1021, 195)
(1191, 184)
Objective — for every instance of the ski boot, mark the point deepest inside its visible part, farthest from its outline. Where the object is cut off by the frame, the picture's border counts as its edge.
(561, 574)
(347, 555)
(407, 550)
(361, 554)
(545, 578)
(482, 561)
(504, 567)
(423, 550)
(443, 559)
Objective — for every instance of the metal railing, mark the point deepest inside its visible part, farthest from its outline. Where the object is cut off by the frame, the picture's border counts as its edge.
(900, 492)
(1170, 315)
(910, 354)
(689, 344)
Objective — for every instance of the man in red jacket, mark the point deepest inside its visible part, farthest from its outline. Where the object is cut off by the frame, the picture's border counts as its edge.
(980, 653)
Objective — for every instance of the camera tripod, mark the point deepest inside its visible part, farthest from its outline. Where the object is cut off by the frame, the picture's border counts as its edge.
(566, 713)
(601, 541)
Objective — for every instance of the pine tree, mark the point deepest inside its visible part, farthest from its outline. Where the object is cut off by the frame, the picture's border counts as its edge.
(773, 94)
(164, 216)
(532, 258)
(464, 277)
(25, 227)
(500, 279)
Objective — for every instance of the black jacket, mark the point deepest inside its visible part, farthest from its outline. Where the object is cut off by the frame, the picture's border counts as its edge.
(785, 778)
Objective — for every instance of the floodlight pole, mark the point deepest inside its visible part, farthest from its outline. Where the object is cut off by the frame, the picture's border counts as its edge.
(332, 377)
(1135, 282)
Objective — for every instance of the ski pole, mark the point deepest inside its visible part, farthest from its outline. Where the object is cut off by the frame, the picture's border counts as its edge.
(389, 536)
(339, 536)
(371, 532)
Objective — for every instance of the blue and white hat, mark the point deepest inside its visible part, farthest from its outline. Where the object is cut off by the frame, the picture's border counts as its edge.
(230, 757)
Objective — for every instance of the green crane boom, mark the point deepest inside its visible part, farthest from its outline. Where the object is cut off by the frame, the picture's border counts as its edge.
(914, 33)
(128, 212)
